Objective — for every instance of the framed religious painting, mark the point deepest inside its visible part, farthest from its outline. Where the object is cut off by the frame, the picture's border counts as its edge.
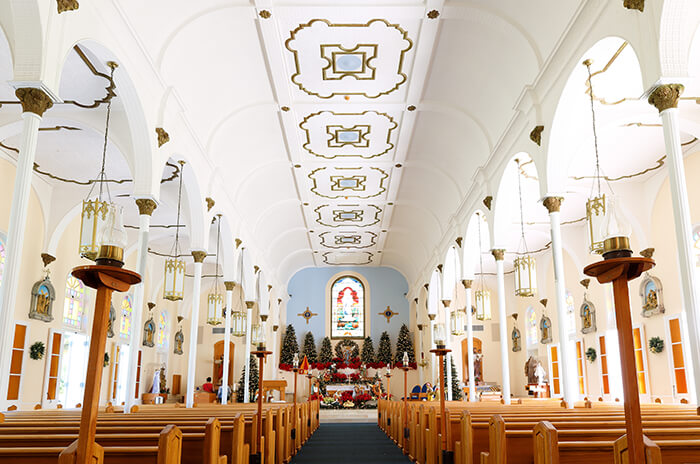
(587, 313)
(651, 292)
(43, 295)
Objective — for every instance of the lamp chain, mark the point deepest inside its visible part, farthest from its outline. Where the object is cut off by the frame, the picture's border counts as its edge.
(216, 272)
(102, 176)
(179, 201)
(595, 132)
(520, 198)
(481, 258)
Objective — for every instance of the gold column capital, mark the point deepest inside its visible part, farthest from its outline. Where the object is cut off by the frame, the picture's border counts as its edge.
(66, 5)
(552, 204)
(536, 135)
(146, 206)
(199, 256)
(33, 100)
(249, 304)
(666, 96)
(230, 285)
(634, 5)
(467, 283)
(446, 302)
(498, 253)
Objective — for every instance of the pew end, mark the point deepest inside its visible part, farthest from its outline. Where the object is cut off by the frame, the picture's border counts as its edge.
(652, 452)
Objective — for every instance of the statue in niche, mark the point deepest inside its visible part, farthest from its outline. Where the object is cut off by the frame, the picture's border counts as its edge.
(540, 374)
(179, 341)
(149, 333)
(110, 321)
(651, 292)
(478, 367)
(545, 330)
(516, 338)
(530, 366)
(588, 324)
(43, 295)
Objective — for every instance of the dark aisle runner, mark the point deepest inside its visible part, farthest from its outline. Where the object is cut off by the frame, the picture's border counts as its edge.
(363, 443)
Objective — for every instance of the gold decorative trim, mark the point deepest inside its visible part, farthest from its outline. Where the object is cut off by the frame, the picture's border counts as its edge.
(388, 313)
(366, 73)
(498, 253)
(66, 5)
(553, 204)
(634, 5)
(199, 256)
(33, 100)
(265, 14)
(210, 203)
(659, 164)
(47, 259)
(163, 137)
(356, 244)
(666, 96)
(467, 283)
(238, 242)
(343, 222)
(297, 72)
(368, 255)
(487, 202)
(256, 269)
(229, 285)
(433, 14)
(146, 206)
(343, 193)
(439, 268)
(458, 241)
(536, 135)
(411, 108)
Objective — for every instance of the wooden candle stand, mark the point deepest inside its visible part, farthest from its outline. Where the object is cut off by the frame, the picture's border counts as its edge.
(261, 354)
(447, 457)
(620, 271)
(406, 433)
(104, 279)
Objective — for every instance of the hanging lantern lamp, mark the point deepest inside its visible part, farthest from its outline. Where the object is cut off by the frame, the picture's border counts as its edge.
(215, 300)
(482, 296)
(458, 319)
(525, 275)
(174, 282)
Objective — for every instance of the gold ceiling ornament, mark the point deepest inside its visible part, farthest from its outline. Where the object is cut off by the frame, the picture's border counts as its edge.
(536, 135)
(666, 96)
(634, 5)
(238, 242)
(467, 283)
(307, 315)
(33, 100)
(647, 252)
(411, 108)
(543, 302)
(47, 259)
(285, 108)
(215, 299)
(366, 254)
(553, 204)
(433, 14)
(524, 263)
(265, 14)
(388, 313)
(210, 203)
(163, 137)
(482, 295)
(66, 5)
(585, 283)
(458, 241)
(146, 206)
(487, 202)
(174, 269)
(96, 213)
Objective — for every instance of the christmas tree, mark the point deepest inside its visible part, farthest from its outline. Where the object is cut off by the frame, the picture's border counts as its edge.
(309, 348)
(367, 355)
(252, 381)
(384, 352)
(289, 346)
(326, 353)
(456, 391)
(404, 343)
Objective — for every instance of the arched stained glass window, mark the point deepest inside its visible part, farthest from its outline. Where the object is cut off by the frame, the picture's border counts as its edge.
(2, 258)
(162, 337)
(347, 308)
(570, 312)
(531, 327)
(127, 311)
(696, 245)
(74, 303)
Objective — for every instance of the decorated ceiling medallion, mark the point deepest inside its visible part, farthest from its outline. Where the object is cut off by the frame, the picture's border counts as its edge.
(329, 60)
(364, 135)
(347, 215)
(341, 182)
(361, 239)
(340, 258)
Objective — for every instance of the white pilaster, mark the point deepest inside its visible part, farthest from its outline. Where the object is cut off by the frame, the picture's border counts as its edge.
(448, 345)
(502, 326)
(567, 364)
(194, 326)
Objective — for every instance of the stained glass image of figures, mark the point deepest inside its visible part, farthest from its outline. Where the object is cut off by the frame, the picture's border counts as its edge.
(348, 308)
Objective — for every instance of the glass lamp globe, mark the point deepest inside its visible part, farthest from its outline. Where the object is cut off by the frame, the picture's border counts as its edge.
(258, 336)
(295, 361)
(112, 238)
(405, 359)
(615, 231)
(439, 335)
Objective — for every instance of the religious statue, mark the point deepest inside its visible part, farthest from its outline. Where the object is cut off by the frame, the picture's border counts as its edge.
(155, 386)
(530, 367)
(540, 373)
(149, 332)
(588, 324)
(163, 388)
(652, 296)
(43, 295)
(546, 330)
(179, 340)
(516, 338)
(478, 367)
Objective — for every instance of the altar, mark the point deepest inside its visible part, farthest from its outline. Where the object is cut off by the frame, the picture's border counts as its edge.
(331, 390)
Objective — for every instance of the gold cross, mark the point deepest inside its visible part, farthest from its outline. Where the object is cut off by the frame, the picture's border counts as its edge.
(307, 314)
(388, 313)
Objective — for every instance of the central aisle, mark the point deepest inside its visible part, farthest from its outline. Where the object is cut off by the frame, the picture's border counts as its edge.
(349, 443)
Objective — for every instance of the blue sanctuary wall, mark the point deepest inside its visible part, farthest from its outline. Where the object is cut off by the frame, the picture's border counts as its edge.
(387, 287)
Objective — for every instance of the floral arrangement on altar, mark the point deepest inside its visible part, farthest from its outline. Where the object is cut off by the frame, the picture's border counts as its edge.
(354, 363)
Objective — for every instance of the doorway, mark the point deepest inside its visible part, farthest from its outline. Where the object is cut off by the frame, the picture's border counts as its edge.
(219, 363)
(74, 359)
(478, 361)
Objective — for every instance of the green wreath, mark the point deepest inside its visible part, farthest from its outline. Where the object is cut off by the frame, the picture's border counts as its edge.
(37, 350)
(656, 345)
(349, 343)
(591, 354)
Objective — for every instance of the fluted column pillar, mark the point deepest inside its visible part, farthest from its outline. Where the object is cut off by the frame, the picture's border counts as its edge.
(198, 256)
(568, 377)
(248, 328)
(34, 103)
(502, 329)
(470, 338)
(227, 339)
(146, 207)
(665, 99)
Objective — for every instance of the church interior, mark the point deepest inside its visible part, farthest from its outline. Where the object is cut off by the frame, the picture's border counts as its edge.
(430, 231)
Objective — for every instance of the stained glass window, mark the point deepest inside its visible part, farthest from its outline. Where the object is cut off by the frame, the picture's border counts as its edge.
(696, 246)
(2, 258)
(74, 303)
(570, 312)
(127, 311)
(531, 327)
(347, 308)
(162, 337)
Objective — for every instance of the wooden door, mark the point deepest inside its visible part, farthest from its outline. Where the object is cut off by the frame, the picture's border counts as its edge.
(54, 361)
(478, 365)
(554, 376)
(604, 376)
(177, 380)
(218, 363)
(17, 361)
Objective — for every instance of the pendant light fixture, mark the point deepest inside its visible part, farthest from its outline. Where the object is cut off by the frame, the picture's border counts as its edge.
(238, 323)
(174, 286)
(215, 300)
(482, 297)
(525, 276)
(458, 319)
(96, 212)
(597, 204)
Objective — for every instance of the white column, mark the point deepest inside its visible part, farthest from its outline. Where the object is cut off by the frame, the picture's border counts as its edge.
(448, 345)
(502, 324)
(227, 339)
(418, 355)
(433, 359)
(146, 207)
(34, 103)
(470, 339)
(248, 327)
(567, 358)
(199, 256)
(665, 99)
